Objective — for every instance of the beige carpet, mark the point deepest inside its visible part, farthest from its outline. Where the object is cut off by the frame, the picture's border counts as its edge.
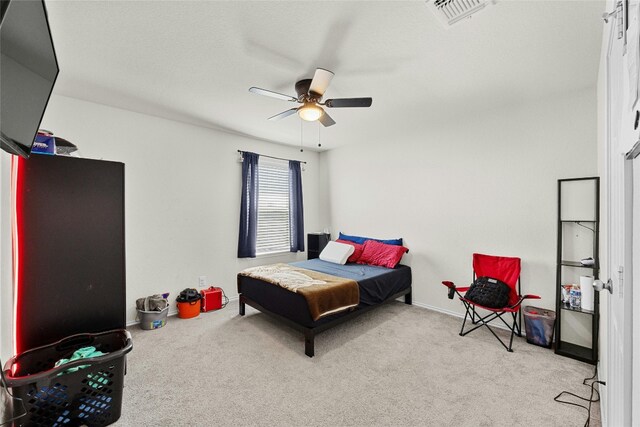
(396, 365)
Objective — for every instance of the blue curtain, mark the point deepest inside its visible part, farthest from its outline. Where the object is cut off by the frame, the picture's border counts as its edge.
(296, 216)
(249, 206)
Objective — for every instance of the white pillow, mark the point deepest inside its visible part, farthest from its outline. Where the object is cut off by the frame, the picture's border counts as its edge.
(337, 253)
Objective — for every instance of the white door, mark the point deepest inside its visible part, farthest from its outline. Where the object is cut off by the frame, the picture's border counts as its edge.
(635, 392)
(621, 94)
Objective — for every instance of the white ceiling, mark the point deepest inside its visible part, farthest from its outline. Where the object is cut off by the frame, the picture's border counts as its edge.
(195, 61)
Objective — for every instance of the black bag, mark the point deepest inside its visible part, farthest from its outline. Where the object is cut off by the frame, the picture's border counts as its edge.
(189, 295)
(489, 292)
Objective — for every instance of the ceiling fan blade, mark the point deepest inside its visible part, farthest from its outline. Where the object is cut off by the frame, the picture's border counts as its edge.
(272, 94)
(326, 120)
(348, 102)
(321, 80)
(283, 114)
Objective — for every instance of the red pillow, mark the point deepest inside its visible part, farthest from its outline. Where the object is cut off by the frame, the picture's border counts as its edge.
(357, 250)
(376, 253)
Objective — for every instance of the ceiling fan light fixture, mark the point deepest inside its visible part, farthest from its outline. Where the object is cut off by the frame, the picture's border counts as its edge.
(311, 92)
(310, 112)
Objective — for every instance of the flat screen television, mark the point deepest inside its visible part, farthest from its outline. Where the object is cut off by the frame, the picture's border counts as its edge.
(28, 71)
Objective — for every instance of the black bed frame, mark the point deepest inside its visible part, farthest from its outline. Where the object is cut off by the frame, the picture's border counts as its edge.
(310, 333)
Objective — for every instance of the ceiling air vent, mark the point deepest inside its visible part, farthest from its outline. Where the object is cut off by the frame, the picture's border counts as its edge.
(449, 12)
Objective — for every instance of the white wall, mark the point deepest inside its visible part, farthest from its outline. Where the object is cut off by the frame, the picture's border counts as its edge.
(485, 183)
(182, 193)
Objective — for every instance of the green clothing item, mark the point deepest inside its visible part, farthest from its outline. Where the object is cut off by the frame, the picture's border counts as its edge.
(82, 353)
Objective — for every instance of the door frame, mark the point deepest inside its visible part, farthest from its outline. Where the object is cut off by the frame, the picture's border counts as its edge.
(633, 158)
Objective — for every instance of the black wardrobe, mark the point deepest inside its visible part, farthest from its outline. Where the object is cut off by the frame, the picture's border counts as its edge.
(70, 248)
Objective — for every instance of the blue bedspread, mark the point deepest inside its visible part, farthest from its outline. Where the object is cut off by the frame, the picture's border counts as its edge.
(355, 272)
(376, 283)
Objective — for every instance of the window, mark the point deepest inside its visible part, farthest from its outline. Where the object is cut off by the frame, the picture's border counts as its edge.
(271, 209)
(273, 206)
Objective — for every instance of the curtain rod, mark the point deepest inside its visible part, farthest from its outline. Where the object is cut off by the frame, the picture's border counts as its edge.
(272, 157)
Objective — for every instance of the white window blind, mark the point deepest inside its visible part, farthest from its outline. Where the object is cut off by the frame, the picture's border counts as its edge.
(273, 206)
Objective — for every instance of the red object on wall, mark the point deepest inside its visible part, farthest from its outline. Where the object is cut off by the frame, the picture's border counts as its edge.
(17, 242)
(211, 299)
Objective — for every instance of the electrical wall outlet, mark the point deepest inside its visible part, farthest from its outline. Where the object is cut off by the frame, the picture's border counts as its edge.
(202, 281)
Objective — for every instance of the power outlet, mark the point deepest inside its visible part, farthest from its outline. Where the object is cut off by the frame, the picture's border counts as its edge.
(202, 281)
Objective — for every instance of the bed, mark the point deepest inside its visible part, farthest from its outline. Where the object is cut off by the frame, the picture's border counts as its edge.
(377, 285)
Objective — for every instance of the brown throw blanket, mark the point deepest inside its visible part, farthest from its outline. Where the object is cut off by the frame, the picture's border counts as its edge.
(325, 294)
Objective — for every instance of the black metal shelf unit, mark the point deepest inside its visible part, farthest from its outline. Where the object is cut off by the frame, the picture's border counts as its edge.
(566, 267)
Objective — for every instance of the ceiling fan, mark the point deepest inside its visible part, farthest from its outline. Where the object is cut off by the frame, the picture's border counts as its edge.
(310, 93)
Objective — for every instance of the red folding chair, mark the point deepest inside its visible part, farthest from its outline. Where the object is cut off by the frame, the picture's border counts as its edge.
(505, 269)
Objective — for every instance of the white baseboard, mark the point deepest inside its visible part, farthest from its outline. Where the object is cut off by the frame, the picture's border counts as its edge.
(438, 309)
(172, 312)
(461, 315)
